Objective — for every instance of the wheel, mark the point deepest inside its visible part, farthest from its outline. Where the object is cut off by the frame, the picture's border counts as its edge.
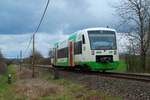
(85, 67)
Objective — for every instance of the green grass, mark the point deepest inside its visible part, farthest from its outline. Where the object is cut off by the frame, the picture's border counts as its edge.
(122, 67)
(6, 92)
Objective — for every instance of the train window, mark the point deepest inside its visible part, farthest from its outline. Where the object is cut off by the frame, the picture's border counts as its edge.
(102, 40)
(83, 39)
(62, 53)
(78, 47)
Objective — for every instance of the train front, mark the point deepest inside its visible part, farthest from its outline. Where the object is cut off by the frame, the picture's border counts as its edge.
(103, 48)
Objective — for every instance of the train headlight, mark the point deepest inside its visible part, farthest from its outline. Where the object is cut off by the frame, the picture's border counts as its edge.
(92, 52)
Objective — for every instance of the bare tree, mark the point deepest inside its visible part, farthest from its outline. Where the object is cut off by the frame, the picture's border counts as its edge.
(1, 57)
(3, 66)
(38, 58)
(50, 53)
(136, 13)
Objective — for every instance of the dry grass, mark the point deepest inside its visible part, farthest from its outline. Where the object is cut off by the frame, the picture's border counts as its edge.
(35, 88)
(45, 88)
(24, 74)
(27, 87)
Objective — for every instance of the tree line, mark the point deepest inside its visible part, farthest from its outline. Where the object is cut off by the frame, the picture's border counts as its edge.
(135, 14)
(3, 66)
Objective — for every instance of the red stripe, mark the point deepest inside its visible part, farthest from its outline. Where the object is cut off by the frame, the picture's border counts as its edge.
(71, 53)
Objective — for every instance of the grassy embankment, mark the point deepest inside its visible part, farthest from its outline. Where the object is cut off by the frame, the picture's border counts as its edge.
(6, 91)
(74, 91)
(45, 88)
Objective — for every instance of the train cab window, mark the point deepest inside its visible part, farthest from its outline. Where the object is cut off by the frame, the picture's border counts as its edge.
(83, 39)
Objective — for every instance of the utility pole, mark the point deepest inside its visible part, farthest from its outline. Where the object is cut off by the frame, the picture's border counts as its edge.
(33, 57)
(17, 61)
(20, 59)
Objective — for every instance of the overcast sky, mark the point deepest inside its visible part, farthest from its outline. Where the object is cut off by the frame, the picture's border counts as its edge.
(19, 18)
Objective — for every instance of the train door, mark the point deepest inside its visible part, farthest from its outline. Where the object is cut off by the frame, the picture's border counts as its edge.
(71, 54)
(55, 56)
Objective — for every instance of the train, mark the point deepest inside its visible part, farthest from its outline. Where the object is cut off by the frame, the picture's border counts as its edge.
(92, 49)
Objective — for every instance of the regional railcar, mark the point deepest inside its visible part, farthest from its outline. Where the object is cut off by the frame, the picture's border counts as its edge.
(93, 49)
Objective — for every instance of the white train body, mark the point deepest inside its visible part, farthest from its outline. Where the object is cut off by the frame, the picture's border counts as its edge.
(93, 48)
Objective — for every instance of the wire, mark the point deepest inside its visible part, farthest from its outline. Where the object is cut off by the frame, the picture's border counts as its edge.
(42, 17)
(37, 26)
(28, 45)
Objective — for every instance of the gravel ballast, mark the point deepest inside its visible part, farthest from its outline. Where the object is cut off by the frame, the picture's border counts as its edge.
(126, 89)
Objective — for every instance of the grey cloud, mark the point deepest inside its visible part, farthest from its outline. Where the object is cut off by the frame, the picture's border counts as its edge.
(22, 16)
(18, 16)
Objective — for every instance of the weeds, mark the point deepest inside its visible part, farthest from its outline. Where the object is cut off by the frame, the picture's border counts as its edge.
(24, 87)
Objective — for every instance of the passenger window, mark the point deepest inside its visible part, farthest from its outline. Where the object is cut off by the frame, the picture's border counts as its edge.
(78, 47)
(83, 39)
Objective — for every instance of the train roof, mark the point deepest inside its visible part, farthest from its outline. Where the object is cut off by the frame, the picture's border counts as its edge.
(99, 28)
(87, 29)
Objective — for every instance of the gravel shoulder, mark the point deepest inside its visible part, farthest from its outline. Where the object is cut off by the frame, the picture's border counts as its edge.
(126, 89)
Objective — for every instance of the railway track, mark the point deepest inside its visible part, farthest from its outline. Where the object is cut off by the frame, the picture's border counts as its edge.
(128, 76)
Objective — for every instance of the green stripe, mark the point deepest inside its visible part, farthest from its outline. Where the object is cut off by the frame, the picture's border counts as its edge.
(94, 66)
(100, 66)
(65, 64)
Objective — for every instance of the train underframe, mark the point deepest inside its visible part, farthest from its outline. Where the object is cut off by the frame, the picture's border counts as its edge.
(91, 66)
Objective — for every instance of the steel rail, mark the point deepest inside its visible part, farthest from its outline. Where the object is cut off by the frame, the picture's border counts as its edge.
(129, 76)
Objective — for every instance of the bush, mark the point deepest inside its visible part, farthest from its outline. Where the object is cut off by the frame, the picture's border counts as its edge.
(39, 59)
(133, 63)
(3, 66)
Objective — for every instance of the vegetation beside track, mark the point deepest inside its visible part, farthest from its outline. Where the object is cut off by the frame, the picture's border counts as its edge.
(74, 91)
(44, 87)
(6, 90)
(122, 67)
